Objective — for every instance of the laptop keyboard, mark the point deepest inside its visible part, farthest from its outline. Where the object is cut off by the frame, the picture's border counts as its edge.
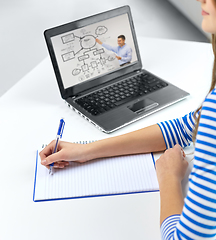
(119, 93)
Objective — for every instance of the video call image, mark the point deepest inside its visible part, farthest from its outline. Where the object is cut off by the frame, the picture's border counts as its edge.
(94, 50)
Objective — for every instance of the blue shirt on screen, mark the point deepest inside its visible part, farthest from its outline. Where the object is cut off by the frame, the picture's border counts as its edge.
(125, 52)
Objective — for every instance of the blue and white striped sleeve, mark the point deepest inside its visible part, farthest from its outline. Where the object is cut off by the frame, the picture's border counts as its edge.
(168, 226)
(178, 131)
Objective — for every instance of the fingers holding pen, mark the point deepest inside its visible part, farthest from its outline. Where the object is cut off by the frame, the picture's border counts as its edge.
(48, 157)
(65, 153)
(55, 158)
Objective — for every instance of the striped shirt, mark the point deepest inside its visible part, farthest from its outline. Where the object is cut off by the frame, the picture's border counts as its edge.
(198, 218)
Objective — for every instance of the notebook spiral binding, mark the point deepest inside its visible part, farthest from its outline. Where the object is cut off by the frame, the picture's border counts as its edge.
(85, 142)
(79, 142)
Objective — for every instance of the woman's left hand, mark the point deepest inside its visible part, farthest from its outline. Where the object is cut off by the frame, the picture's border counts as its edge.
(171, 165)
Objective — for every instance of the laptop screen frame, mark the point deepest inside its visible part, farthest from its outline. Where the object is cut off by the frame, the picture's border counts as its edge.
(78, 89)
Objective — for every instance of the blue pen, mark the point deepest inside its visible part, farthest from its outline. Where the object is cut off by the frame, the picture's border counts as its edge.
(58, 136)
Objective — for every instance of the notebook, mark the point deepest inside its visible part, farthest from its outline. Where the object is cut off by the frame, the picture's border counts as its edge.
(101, 177)
(98, 68)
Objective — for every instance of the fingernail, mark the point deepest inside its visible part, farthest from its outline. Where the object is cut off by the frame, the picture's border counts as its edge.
(44, 162)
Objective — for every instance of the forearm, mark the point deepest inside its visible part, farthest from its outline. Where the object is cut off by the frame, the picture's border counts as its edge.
(110, 48)
(171, 198)
(149, 139)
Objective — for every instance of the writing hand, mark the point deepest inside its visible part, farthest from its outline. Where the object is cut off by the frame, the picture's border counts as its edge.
(66, 152)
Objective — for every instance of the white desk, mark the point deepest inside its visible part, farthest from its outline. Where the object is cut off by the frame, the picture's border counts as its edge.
(29, 116)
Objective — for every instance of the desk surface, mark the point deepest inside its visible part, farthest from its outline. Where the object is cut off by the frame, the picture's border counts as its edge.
(30, 113)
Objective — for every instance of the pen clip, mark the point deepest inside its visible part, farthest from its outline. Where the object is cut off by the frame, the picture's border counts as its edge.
(61, 128)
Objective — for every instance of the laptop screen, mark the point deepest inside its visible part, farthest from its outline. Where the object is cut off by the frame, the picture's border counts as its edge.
(94, 50)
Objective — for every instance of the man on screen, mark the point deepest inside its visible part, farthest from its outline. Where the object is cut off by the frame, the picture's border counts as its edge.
(123, 51)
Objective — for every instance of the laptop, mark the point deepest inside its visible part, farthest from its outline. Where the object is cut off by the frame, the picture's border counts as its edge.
(98, 68)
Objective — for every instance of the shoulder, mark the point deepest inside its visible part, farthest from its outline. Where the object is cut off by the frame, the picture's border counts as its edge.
(213, 92)
(211, 99)
(208, 110)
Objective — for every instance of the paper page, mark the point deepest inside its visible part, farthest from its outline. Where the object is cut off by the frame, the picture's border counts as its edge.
(107, 176)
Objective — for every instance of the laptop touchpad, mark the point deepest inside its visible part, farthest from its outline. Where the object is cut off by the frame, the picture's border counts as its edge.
(143, 106)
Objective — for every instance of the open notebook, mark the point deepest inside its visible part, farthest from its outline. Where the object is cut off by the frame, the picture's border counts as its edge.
(101, 177)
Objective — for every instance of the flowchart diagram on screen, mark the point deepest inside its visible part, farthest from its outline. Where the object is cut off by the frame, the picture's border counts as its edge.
(87, 57)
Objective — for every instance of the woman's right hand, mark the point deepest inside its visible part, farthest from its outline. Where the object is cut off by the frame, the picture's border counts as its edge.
(66, 152)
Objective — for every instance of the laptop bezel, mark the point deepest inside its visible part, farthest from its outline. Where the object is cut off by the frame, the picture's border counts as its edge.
(78, 89)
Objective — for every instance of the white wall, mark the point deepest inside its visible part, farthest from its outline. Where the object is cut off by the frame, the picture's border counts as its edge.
(192, 10)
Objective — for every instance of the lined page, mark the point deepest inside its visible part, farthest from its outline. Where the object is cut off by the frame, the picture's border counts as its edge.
(107, 176)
